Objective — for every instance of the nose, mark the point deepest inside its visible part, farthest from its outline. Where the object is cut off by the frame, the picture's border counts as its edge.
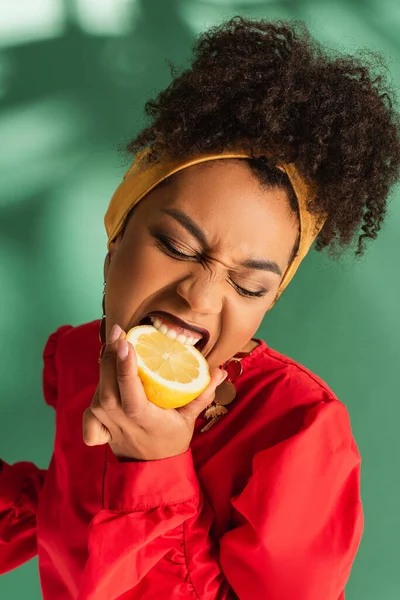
(203, 294)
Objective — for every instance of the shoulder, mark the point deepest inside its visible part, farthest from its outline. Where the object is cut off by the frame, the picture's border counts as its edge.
(78, 339)
(70, 353)
(296, 374)
(276, 373)
(290, 398)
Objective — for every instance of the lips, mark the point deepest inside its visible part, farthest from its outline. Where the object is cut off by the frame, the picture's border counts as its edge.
(180, 323)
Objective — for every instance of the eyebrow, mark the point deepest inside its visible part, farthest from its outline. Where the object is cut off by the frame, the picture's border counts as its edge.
(195, 231)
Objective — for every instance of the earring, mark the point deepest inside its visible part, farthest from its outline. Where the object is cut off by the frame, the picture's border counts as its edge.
(102, 329)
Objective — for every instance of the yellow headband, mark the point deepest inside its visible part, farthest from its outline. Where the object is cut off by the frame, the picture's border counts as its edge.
(141, 178)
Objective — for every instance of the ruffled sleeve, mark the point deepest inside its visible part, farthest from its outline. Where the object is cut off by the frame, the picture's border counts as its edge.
(49, 375)
(299, 520)
(21, 483)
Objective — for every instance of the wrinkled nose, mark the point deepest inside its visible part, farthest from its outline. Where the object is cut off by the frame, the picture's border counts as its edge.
(204, 295)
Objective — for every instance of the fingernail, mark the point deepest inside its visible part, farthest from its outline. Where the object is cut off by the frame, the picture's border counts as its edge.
(114, 334)
(122, 349)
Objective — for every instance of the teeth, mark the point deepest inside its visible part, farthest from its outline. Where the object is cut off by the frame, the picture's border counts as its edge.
(172, 334)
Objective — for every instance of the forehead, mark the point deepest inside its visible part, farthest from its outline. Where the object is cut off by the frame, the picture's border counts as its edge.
(231, 206)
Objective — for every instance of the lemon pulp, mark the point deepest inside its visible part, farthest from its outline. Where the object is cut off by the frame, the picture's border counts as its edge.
(172, 373)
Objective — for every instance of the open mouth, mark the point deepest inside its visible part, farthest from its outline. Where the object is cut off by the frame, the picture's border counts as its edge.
(173, 326)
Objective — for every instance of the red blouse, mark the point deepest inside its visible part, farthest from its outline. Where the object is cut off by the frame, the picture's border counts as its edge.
(266, 504)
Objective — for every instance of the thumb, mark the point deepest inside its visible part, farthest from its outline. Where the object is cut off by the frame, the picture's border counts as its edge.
(93, 430)
(192, 410)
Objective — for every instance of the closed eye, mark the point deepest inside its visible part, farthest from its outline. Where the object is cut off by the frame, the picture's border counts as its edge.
(165, 245)
(248, 293)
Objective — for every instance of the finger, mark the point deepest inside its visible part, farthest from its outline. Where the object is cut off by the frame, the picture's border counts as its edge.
(103, 416)
(134, 401)
(93, 431)
(192, 410)
(109, 395)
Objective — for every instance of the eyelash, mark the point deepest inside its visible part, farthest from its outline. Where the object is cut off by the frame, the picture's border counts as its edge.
(182, 256)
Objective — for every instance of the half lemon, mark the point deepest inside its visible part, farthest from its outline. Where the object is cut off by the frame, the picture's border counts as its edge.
(173, 374)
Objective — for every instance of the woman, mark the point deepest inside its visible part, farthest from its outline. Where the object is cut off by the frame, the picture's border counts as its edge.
(265, 144)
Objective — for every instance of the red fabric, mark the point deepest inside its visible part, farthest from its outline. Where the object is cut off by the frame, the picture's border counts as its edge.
(266, 504)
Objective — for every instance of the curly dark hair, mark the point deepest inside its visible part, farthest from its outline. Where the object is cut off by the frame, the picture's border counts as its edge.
(270, 85)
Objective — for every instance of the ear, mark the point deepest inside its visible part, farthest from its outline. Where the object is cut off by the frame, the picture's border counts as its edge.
(113, 248)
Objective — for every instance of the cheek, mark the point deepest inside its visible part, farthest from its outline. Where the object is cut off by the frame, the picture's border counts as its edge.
(139, 272)
(240, 322)
(245, 320)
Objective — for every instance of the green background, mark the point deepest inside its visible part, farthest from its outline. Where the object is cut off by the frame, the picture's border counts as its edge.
(74, 76)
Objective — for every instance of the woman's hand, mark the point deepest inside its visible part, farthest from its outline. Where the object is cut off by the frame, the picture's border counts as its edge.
(121, 414)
